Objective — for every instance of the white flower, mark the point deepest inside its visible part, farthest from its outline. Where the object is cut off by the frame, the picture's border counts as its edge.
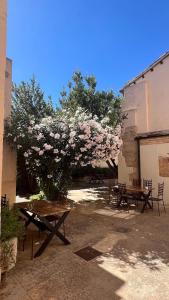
(83, 149)
(14, 139)
(88, 146)
(71, 141)
(57, 136)
(29, 152)
(41, 152)
(63, 152)
(40, 136)
(72, 134)
(51, 134)
(47, 146)
(57, 159)
(19, 146)
(82, 136)
(35, 148)
(9, 134)
(32, 122)
(25, 154)
(49, 176)
(55, 151)
(36, 126)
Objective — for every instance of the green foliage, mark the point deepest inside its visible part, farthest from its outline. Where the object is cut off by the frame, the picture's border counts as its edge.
(30, 107)
(39, 196)
(10, 225)
(89, 171)
(28, 102)
(82, 91)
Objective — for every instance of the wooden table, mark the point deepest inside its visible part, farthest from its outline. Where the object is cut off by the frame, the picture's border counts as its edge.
(144, 195)
(37, 212)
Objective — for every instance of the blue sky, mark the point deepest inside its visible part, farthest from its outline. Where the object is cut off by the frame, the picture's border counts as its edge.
(114, 40)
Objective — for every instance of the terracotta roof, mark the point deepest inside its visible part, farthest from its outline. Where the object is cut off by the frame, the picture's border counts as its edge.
(154, 64)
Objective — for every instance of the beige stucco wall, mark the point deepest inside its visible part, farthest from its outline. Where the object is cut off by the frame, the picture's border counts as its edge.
(147, 100)
(149, 157)
(147, 104)
(9, 156)
(2, 82)
(2, 75)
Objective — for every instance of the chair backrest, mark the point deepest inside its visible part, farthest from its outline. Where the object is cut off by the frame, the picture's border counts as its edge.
(148, 183)
(160, 190)
(4, 201)
(122, 187)
(136, 182)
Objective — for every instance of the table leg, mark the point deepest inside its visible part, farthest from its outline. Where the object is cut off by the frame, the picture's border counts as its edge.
(146, 203)
(119, 201)
(53, 231)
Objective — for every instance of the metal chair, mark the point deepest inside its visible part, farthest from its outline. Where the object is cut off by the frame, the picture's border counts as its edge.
(147, 183)
(123, 197)
(159, 197)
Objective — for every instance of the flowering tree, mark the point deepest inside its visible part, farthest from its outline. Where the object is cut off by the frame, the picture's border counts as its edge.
(53, 147)
(28, 99)
(82, 91)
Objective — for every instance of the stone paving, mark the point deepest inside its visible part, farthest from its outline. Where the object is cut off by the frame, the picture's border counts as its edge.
(134, 264)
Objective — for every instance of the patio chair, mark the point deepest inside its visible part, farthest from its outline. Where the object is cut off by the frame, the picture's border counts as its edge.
(123, 197)
(113, 191)
(159, 197)
(148, 183)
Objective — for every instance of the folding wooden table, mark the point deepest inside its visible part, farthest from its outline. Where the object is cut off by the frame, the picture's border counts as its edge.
(37, 211)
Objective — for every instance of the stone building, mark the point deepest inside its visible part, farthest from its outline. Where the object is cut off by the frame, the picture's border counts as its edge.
(2, 77)
(145, 151)
(7, 156)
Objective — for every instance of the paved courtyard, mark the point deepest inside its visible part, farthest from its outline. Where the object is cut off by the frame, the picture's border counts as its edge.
(133, 264)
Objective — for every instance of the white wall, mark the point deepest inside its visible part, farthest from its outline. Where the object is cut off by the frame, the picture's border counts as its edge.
(147, 105)
(149, 155)
(149, 96)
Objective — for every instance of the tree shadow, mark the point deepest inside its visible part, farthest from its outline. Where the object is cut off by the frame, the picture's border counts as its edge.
(144, 245)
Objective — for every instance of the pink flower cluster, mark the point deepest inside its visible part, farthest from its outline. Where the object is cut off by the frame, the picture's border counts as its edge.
(80, 140)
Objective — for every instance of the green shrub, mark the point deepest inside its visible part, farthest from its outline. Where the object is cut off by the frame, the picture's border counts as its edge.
(40, 196)
(89, 171)
(10, 225)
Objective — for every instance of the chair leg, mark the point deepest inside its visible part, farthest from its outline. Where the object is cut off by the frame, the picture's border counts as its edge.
(128, 206)
(109, 194)
(158, 208)
(64, 231)
(164, 207)
(32, 246)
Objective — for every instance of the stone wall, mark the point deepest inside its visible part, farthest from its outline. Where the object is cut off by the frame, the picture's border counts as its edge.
(9, 155)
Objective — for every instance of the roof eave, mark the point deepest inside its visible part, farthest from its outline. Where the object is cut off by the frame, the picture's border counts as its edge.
(159, 60)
